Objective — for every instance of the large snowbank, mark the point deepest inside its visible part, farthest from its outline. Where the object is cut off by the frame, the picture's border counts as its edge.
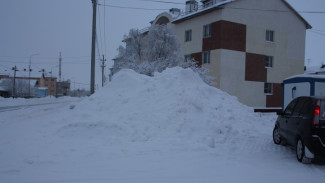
(168, 128)
(174, 108)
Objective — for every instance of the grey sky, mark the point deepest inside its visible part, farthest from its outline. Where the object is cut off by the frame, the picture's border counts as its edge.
(47, 27)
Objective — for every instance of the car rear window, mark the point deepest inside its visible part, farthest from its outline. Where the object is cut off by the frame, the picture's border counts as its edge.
(322, 110)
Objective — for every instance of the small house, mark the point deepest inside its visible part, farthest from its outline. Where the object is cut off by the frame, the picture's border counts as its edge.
(303, 85)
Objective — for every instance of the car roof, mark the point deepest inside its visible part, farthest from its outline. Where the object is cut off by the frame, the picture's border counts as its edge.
(322, 97)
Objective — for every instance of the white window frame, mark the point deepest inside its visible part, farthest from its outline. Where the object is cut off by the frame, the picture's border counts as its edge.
(269, 61)
(268, 88)
(206, 57)
(188, 35)
(269, 35)
(207, 31)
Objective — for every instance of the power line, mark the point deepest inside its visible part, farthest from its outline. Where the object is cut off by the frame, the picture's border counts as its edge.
(45, 63)
(133, 8)
(105, 29)
(319, 33)
(100, 31)
(312, 12)
(167, 2)
(273, 10)
(38, 58)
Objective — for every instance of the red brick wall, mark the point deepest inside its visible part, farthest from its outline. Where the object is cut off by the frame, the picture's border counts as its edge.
(226, 35)
(255, 68)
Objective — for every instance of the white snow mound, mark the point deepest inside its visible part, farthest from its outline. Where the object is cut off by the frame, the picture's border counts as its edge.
(174, 108)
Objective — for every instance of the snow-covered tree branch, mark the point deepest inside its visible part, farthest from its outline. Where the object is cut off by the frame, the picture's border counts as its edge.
(154, 51)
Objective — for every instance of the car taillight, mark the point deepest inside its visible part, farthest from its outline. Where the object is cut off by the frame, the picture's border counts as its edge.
(316, 114)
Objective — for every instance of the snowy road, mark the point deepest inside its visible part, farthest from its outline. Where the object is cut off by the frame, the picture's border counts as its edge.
(18, 107)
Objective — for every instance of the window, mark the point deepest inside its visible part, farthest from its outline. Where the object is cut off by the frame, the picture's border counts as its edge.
(289, 109)
(268, 88)
(187, 58)
(207, 31)
(270, 35)
(206, 57)
(188, 35)
(268, 61)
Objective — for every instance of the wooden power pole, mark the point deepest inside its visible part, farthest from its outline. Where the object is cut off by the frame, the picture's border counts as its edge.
(103, 66)
(93, 51)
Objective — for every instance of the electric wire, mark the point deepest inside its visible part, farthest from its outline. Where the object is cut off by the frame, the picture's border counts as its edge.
(106, 52)
(100, 30)
(133, 8)
(167, 2)
(274, 10)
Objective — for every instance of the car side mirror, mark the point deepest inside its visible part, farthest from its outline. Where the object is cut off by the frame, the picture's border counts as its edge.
(279, 113)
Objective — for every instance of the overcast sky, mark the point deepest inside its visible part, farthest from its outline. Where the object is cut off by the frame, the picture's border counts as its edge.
(47, 27)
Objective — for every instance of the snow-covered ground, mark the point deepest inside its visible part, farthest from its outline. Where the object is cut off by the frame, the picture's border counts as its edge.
(138, 129)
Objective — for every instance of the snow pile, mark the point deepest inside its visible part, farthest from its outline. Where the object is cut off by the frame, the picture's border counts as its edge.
(138, 129)
(174, 108)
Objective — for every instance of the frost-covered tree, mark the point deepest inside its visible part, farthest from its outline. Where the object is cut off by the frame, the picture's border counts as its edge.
(163, 44)
(22, 87)
(154, 52)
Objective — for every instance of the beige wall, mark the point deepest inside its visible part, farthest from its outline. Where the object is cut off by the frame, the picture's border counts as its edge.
(196, 25)
(288, 48)
(228, 67)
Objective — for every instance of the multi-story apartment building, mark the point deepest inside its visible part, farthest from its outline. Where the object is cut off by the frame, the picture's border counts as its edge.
(249, 46)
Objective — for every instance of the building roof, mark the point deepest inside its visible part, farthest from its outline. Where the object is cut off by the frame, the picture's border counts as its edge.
(308, 26)
(201, 10)
(304, 78)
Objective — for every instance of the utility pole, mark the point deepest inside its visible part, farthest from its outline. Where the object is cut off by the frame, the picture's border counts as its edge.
(14, 87)
(60, 64)
(103, 66)
(93, 51)
(30, 70)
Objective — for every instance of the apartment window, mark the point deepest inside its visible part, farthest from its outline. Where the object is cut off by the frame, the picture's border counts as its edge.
(187, 58)
(268, 88)
(188, 35)
(206, 57)
(268, 61)
(270, 35)
(207, 3)
(207, 31)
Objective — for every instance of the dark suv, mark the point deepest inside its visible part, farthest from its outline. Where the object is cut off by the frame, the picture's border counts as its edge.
(302, 125)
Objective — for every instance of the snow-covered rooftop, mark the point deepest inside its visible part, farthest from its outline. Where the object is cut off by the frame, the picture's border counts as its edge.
(307, 76)
(202, 8)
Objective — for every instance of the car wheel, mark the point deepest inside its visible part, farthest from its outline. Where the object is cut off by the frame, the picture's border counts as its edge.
(300, 152)
(276, 136)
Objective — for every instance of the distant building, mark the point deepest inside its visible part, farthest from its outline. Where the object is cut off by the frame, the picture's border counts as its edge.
(49, 83)
(4, 93)
(63, 88)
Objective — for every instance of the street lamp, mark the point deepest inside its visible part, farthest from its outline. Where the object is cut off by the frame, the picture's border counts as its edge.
(30, 69)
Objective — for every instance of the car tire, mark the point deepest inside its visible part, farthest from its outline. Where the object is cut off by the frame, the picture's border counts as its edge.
(276, 136)
(300, 152)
